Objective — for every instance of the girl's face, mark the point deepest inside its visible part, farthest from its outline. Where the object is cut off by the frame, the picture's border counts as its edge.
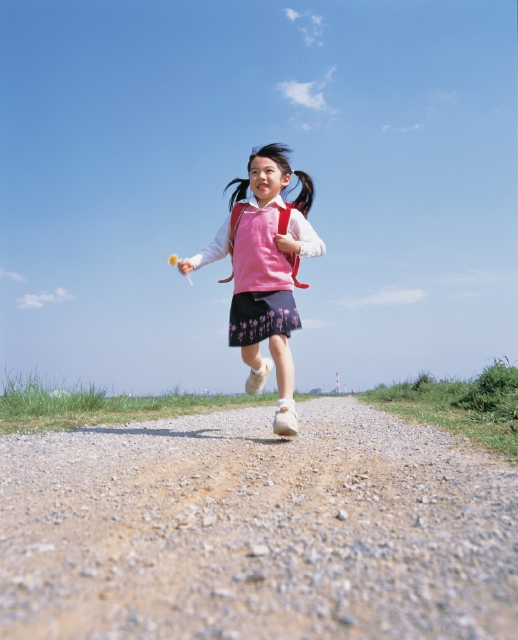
(266, 180)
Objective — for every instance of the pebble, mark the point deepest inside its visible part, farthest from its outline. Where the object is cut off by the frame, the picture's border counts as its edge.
(209, 521)
(258, 550)
(161, 508)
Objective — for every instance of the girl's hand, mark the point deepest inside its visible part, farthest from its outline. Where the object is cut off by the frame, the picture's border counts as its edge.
(185, 266)
(286, 243)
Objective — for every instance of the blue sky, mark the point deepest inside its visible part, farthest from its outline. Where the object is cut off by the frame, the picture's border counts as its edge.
(122, 121)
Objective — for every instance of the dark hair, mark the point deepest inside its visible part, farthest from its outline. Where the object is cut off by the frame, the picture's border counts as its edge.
(278, 152)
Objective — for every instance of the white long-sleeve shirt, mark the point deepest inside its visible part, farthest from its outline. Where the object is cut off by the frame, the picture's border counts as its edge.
(300, 229)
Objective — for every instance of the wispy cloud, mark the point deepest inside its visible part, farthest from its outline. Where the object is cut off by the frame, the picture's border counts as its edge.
(388, 297)
(387, 127)
(12, 275)
(445, 96)
(312, 26)
(465, 294)
(302, 93)
(307, 94)
(37, 300)
(475, 277)
(327, 78)
(292, 14)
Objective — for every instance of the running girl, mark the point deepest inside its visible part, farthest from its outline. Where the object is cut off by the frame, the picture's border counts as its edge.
(263, 305)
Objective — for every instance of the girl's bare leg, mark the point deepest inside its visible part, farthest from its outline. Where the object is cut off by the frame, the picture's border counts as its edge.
(284, 367)
(251, 356)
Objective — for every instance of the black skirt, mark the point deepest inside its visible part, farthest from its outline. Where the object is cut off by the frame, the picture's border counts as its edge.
(257, 315)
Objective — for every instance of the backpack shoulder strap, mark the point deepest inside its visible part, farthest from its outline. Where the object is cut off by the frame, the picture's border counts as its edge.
(235, 218)
(284, 218)
(292, 258)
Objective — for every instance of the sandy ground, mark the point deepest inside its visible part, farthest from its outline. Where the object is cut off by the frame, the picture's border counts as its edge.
(211, 527)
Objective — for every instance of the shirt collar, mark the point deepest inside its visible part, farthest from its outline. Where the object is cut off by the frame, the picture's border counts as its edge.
(278, 201)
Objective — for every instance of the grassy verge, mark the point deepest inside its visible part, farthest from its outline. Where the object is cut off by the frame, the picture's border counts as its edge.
(484, 410)
(31, 405)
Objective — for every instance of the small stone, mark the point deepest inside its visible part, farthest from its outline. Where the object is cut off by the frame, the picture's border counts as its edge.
(315, 470)
(114, 478)
(29, 583)
(347, 620)
(342, 514)
(269, 483)
(420, 521)
(185, 522)
(256, 576)
(89, 573)
(40, 548)
(222, 593)
(209, 520)
(258, 550)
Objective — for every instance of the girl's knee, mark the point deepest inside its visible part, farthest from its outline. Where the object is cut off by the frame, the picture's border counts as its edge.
(278, 344)
(249, 354)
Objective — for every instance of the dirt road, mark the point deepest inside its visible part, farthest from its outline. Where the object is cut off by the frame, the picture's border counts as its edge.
(363, 527)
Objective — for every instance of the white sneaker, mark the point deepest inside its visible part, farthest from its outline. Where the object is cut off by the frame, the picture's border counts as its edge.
(286, 419)
(256, 381)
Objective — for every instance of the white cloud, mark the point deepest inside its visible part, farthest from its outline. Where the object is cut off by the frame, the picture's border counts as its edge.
(36, 301)
(313, 26)
(328, 77)
(388, 297)
(414, 127)
(301, 93)
(292, 14)
(12, 275)
(465, 294)
(305, 126)
(446, 96)
(476, 277)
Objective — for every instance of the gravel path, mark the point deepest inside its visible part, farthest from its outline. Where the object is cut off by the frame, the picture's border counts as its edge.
(363, 527)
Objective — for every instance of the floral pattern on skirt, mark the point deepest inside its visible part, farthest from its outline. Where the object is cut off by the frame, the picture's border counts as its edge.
(257, 315)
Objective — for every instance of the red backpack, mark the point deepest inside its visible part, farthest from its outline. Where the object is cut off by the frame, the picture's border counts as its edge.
(284, 219)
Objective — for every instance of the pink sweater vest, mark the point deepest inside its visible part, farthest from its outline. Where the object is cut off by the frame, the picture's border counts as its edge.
(258, 264)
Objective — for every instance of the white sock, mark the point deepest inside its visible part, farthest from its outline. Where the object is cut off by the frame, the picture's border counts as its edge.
(286, 402)
(261, 370)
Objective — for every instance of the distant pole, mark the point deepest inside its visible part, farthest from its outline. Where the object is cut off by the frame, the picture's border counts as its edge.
(337, 386)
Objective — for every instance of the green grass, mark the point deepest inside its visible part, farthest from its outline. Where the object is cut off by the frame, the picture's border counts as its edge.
(484, 410)
(32, 405)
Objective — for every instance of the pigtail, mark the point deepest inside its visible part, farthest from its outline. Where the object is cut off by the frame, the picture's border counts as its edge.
(304, 200)
(239, 193)
(279, 153)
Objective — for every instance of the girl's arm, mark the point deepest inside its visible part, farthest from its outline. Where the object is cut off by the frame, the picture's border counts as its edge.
(216, 250)
(311, 246)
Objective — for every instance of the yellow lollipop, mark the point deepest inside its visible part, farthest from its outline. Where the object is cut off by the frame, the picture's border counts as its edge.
(173, 261)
